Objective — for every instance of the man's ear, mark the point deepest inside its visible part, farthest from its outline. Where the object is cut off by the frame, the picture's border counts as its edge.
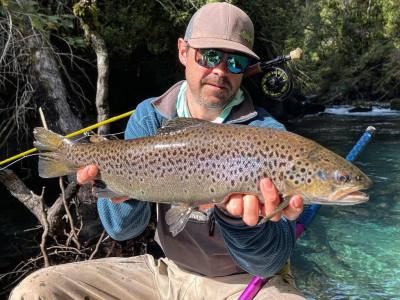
(182, 51)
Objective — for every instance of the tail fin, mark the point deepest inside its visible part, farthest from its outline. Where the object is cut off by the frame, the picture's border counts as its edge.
(52, 163)
(46, 140)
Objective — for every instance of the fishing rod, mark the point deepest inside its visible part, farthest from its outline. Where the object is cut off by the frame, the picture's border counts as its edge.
(78, 132)
(257, 282)
(263, 66)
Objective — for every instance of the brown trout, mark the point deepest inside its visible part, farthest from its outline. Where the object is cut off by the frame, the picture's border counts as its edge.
(192, 162)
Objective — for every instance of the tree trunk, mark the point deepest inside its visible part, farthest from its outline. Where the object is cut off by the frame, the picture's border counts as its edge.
(86, 11)
(50, 89)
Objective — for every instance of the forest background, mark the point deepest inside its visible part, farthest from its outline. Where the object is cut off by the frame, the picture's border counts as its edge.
(84, 61)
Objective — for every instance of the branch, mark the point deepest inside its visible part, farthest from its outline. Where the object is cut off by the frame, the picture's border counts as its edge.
(72, 233)
(45, 232)
(20, 191)
(97, 245)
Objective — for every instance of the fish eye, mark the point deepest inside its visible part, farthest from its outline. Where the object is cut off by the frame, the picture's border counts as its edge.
(342, 177)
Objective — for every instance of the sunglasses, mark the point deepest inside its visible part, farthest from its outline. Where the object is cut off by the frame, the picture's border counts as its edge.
(210, 58)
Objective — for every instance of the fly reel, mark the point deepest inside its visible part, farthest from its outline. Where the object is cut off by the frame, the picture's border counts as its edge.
(276, 83)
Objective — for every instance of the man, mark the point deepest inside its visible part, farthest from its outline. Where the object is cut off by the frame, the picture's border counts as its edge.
(206, 260)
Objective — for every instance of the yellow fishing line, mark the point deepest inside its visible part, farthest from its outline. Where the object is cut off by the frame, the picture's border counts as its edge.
(83, 130)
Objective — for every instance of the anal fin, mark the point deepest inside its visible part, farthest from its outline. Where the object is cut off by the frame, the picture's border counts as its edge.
(177, 217)
(100, 190)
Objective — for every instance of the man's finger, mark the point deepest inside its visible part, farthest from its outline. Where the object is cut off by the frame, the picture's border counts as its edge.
(294, 209)
(119, 199)
(234, 205)
(251, 210)
(87, 174)
(271, 198)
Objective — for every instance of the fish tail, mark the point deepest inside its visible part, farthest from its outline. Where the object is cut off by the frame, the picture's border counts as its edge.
(52, 162)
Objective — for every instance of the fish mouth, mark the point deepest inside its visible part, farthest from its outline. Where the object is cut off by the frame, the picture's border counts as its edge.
(348, 197)
(343, 197)
(352, 198)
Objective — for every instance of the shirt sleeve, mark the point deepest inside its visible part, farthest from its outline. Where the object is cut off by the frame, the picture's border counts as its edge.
(128, 219)
(263, 249)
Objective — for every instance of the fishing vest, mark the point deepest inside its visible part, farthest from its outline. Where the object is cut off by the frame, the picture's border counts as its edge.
(200, 246)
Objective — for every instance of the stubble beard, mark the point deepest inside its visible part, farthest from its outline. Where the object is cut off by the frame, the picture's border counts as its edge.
(224, 99)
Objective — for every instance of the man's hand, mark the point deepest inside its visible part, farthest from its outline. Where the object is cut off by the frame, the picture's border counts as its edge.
(250, 208)
(87, 174)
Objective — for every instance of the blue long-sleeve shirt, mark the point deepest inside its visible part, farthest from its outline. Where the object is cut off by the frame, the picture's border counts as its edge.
(261, 250)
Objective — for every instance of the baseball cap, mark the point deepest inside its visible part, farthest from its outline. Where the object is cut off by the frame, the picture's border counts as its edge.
(221, 25)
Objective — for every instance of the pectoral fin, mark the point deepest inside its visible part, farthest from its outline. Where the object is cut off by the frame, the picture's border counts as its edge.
(177, 217)
(280, 207)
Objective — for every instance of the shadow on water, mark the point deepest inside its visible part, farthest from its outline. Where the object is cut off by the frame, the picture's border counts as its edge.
(352, 252)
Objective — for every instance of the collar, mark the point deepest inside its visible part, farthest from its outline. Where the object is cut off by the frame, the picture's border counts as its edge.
(166, 106)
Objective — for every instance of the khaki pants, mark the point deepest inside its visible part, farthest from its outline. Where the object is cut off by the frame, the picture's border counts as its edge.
(139, 277)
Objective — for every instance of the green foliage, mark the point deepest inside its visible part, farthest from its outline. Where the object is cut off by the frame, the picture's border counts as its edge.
(351, 47)
(88, 13)
(128, 26)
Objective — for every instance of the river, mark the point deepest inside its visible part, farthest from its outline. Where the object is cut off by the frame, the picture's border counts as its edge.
(353, 252)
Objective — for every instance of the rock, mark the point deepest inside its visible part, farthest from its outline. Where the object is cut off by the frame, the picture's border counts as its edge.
(361, 108)
(395, 104)
(298, 106)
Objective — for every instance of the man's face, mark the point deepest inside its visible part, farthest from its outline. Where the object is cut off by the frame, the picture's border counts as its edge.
(212, 88)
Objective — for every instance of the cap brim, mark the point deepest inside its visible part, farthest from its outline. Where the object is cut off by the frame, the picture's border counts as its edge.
(202, 43)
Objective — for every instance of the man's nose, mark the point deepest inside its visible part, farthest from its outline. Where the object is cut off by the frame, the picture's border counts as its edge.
(221, 69)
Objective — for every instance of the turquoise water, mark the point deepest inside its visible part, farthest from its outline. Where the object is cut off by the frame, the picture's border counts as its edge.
(354, 252)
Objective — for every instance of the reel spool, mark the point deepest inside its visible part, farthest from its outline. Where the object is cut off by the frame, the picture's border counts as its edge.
(276, 83)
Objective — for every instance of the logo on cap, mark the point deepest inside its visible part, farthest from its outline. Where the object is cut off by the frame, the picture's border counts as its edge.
(246, 36)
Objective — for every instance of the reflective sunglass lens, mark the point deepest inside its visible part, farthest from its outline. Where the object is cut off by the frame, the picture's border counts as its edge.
(210, 58)
(237, 63)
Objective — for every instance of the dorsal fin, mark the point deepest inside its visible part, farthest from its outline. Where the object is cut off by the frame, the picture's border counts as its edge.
(179, 124)
(97, 138)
